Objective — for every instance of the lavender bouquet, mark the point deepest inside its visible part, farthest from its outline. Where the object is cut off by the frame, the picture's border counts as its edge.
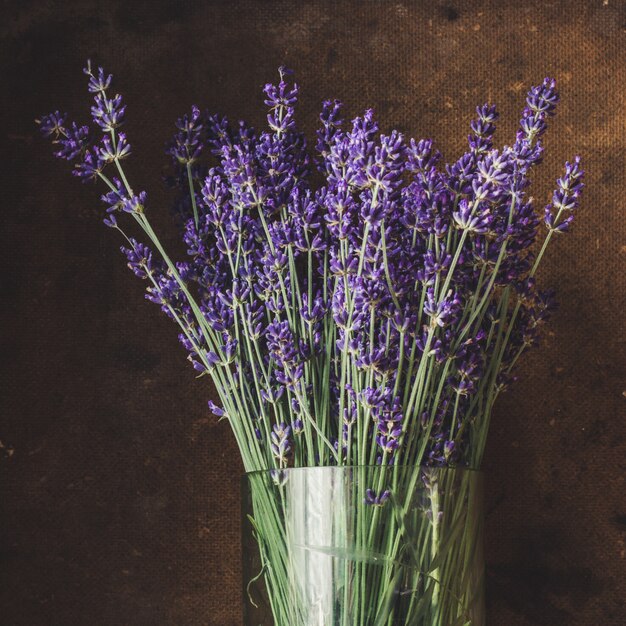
(357, 306)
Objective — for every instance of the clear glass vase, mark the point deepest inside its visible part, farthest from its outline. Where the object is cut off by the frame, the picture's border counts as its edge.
(363, 546)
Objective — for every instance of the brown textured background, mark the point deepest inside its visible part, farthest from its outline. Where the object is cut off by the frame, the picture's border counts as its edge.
(120, 493)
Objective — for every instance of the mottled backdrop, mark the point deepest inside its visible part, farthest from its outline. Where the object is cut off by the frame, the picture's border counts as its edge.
(120, 493)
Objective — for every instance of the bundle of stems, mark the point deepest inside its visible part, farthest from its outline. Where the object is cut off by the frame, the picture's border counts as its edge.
(334, 552)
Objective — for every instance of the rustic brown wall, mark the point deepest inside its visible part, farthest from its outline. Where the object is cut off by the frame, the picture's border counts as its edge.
(119, 491)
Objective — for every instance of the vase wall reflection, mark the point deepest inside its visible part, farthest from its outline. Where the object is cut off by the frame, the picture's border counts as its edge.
(363, 546)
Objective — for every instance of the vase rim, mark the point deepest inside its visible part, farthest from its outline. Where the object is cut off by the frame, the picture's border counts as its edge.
(371, 467)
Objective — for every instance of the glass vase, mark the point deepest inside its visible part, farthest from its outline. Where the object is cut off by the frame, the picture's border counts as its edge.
(363, 546)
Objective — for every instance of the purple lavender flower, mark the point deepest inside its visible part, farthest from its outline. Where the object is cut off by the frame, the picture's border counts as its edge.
(218, 411)
(90, 166)
(110, 151)
(73, 141)
(566, 198)
(448, 450)
(472, 219)
(116, 196)
(187, 144)
(331, 123)
(444, 311)
(541, 103)
(139, 259)
(97, 82)
(108, 113)
(281, 98)
(53, 124)
(389, 426)
(422, 156)
(383, 300)
(483, 128)
(134, 204)
(376, 499)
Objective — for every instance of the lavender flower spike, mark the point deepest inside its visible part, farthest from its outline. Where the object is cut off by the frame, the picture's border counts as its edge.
(558, 215)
